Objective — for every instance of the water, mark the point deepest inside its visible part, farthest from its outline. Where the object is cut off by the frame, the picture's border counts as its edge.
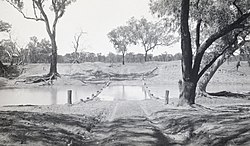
(124, 93)
(44, 96)
(159, 90)
(49, 96)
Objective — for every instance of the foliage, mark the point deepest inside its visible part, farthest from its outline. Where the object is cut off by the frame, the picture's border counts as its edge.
(115, 58)
(219, 20)
(40, 13)
(121, 37)
(150, 34)
(4, 26)
(39, 52)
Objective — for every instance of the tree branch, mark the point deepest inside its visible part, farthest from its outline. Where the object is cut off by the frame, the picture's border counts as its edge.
(201, 50)
(20, 11)
(197, 39)
(237, 7)
(46, 20)
(223, 31)
(223, 51)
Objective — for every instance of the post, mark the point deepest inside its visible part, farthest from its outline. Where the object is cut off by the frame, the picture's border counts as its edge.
(69, 96)
(167, 97)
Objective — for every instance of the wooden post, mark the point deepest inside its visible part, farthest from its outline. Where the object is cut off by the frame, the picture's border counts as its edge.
(167, 97)
(69, 96)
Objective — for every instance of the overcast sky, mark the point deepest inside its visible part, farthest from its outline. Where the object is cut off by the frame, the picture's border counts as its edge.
(96, 17)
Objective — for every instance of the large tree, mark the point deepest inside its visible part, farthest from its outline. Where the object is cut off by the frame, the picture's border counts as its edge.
(40, 13)
(150, 34)
(216, 17)
(121, 37)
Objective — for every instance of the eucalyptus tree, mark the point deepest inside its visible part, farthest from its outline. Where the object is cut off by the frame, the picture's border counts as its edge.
(150, 34)
(214, 19)
(121, 37)
(4, 27)
(41, 13)
(39, 51)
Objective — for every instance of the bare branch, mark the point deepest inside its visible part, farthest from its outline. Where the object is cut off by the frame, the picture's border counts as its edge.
(77, 40)
(34, 8)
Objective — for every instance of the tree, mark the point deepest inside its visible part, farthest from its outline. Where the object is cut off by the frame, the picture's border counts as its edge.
(150, 35)
(76, 43)
(236, 43)
(58, 7)
(216, 17)
(11, 50)
(4, 27)
(121, 37)
(39, 52)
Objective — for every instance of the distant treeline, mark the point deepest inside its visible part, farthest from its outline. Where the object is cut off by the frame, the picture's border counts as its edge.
(43, 56)
(98, 57)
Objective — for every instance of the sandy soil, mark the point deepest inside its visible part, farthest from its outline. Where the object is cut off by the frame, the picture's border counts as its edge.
(213, 121)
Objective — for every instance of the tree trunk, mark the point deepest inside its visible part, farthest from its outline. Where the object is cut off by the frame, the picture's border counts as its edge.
(208, 76)
(123, 59)
(2, 69)
(53, 63)
(187, 95)
(146, 56)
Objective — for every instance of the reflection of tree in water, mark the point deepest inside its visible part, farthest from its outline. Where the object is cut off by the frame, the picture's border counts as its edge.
(121, 94)
(144, 91)
(53, 93)
(75, 97)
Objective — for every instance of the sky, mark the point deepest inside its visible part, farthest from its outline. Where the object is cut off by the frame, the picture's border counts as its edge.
(95, 17)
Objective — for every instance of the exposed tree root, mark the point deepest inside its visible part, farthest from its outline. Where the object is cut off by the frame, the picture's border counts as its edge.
(47, 79)
(229, 94)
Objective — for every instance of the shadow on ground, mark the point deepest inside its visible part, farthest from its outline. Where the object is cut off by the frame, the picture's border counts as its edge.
(133, 131)
(224, 125)
(44, 128)
(219, 126)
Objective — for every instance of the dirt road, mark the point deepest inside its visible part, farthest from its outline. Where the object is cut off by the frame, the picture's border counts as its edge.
(126, 109)
(129, 124)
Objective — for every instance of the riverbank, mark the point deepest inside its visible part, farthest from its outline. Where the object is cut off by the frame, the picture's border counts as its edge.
(212, 121)
(221, 121)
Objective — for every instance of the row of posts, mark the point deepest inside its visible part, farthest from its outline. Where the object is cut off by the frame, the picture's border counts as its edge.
(70, 97)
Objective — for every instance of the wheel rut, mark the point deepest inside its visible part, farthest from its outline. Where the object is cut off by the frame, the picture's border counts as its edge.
(128, 124)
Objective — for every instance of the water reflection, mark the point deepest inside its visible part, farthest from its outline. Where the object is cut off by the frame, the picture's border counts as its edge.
(53, 95)
(45, 96)
(123, 93)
